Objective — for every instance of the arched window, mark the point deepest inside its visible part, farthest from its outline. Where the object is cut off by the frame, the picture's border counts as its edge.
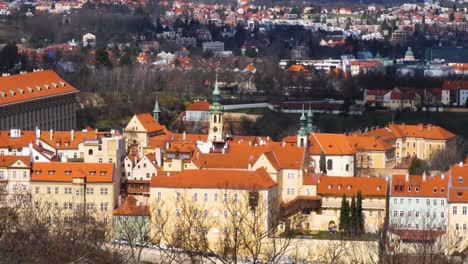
(90, 152)
(215, 119)
(302, 142)
(329, 164)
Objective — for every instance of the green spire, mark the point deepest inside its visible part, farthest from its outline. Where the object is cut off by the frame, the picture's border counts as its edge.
(302, 127)
(216, 106)
(156, 110)
(310, 125)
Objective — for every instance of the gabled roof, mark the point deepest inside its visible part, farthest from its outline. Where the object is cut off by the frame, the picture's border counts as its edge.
(29, 86)
(66, 171)
(427, 131)
(199, 106)
(330, 144)
(220, 179)
(365, 143)
(9, 160)
(337, 186)
(131, 207)
(149, 123)
(71, 139)
(433, 186)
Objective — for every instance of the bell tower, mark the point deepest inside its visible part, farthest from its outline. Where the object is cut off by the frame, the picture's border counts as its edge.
(216, 132)
(302, 133)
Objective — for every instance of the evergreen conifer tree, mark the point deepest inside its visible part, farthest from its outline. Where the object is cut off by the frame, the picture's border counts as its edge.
(353, 222)
(344, 214)
(360, 227)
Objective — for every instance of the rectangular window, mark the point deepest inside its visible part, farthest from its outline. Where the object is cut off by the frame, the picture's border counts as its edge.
(205, 197)
(428, 202)
(195, 197)
(395, 201)
(417, 201)
(104, 206)
(464, 210)
(103, 191)
(25, 175)
(434, 202)
(48, 190)
(442, 202)
(89, 191)
(56, 190)
(178, 197)
(159, 196)
(215, 197)
(454, 210)
(409, 201)
(225, 197)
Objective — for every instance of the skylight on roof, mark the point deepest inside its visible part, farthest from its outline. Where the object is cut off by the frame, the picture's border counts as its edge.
(46, 86)
(21, 91)
(38, 87)
(30, 89)
(12, 92)
(3, 94)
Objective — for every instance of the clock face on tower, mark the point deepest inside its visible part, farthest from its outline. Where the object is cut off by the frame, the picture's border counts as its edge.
(215, 129)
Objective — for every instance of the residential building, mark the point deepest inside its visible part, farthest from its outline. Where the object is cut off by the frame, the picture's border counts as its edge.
(199, 111)
(14, 179)
(213, 46)
(132, 222)
(70, 187)
(141, 128)
(458, 206)
(418, 203)
(331, 191)
(37, 99)
(214, 196)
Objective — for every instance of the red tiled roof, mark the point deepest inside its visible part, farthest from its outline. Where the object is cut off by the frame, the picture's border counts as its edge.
(9, 160)
(29, 86)
(149, 123)
(221, 179)
(330, 144)
(433, 186)
(199, 106)
(130, 207)
(26, 137)
(66, 171)
(337, 186)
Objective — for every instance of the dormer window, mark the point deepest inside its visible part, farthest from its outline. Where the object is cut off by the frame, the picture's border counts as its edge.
(435, 189)
(102, 173)
(339, 187)
(416, 189)
(460, 179)
(409, 188)
(330, 186)
(349, 187)
(46, 86)
(51, 172)
(38, 172)
(379, 188)
(67, 172)
(92, 173)
(459, 194)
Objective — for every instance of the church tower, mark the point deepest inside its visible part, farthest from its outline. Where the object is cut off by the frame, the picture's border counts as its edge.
(216, 133)
(302, 133)
(310, 121)
(156, 110)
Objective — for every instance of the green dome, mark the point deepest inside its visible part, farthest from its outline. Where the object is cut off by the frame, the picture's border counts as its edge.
(409, 52)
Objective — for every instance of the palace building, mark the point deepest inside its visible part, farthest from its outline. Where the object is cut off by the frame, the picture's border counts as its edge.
(37, 99)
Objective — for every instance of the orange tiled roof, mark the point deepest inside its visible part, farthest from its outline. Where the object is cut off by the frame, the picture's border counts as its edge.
(337, 186)
(330, 144)
(459, 180)
(423, 131)
(9, 160)
(432, 187)
(66, 171)
(149, 123)
(63, 139)
(199, 106)
(16, 142)
(130, 207)
(368, 143)
(29, 86)
(221, 179)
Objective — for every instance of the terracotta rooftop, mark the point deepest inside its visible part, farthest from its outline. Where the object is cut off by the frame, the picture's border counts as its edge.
(330, 144)
(29, 86)
(199, 106)
(131, 207)
(337, 186)
(9, 160)
(432, 186)
(221, 179)
(149, 123)
(66, 171)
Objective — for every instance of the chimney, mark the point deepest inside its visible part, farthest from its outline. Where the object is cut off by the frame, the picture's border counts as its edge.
(460, 164)
(442, 176)
(424, 176)
(158, 157)
(184, 136)
(51, 133)
(167, 145)
(38, 132)
(407, 177)
(249, 167)
(72, 133)
(168, 174)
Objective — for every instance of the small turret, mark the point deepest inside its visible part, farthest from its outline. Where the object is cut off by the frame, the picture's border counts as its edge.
(156, 110)
(302, 133)
(310, 124)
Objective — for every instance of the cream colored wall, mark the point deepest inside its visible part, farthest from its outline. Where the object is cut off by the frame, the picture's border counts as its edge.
(262, 161)
(290, 184)
(144, 170)
(17, 178)
(134, 131)
(422, 148)
(215, 220)
(308, 190)
(373, 209)
(58, 197)
(460, 236)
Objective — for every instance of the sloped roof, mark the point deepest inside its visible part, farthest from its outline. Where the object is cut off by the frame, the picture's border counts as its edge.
(130, 207)
(337, 186)
(8, 160)
(29, 86)
(26, 137)
(199, 106)
(433, 186)
(66, 171)
(221, 179)
(149, 123)
(330, 144)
